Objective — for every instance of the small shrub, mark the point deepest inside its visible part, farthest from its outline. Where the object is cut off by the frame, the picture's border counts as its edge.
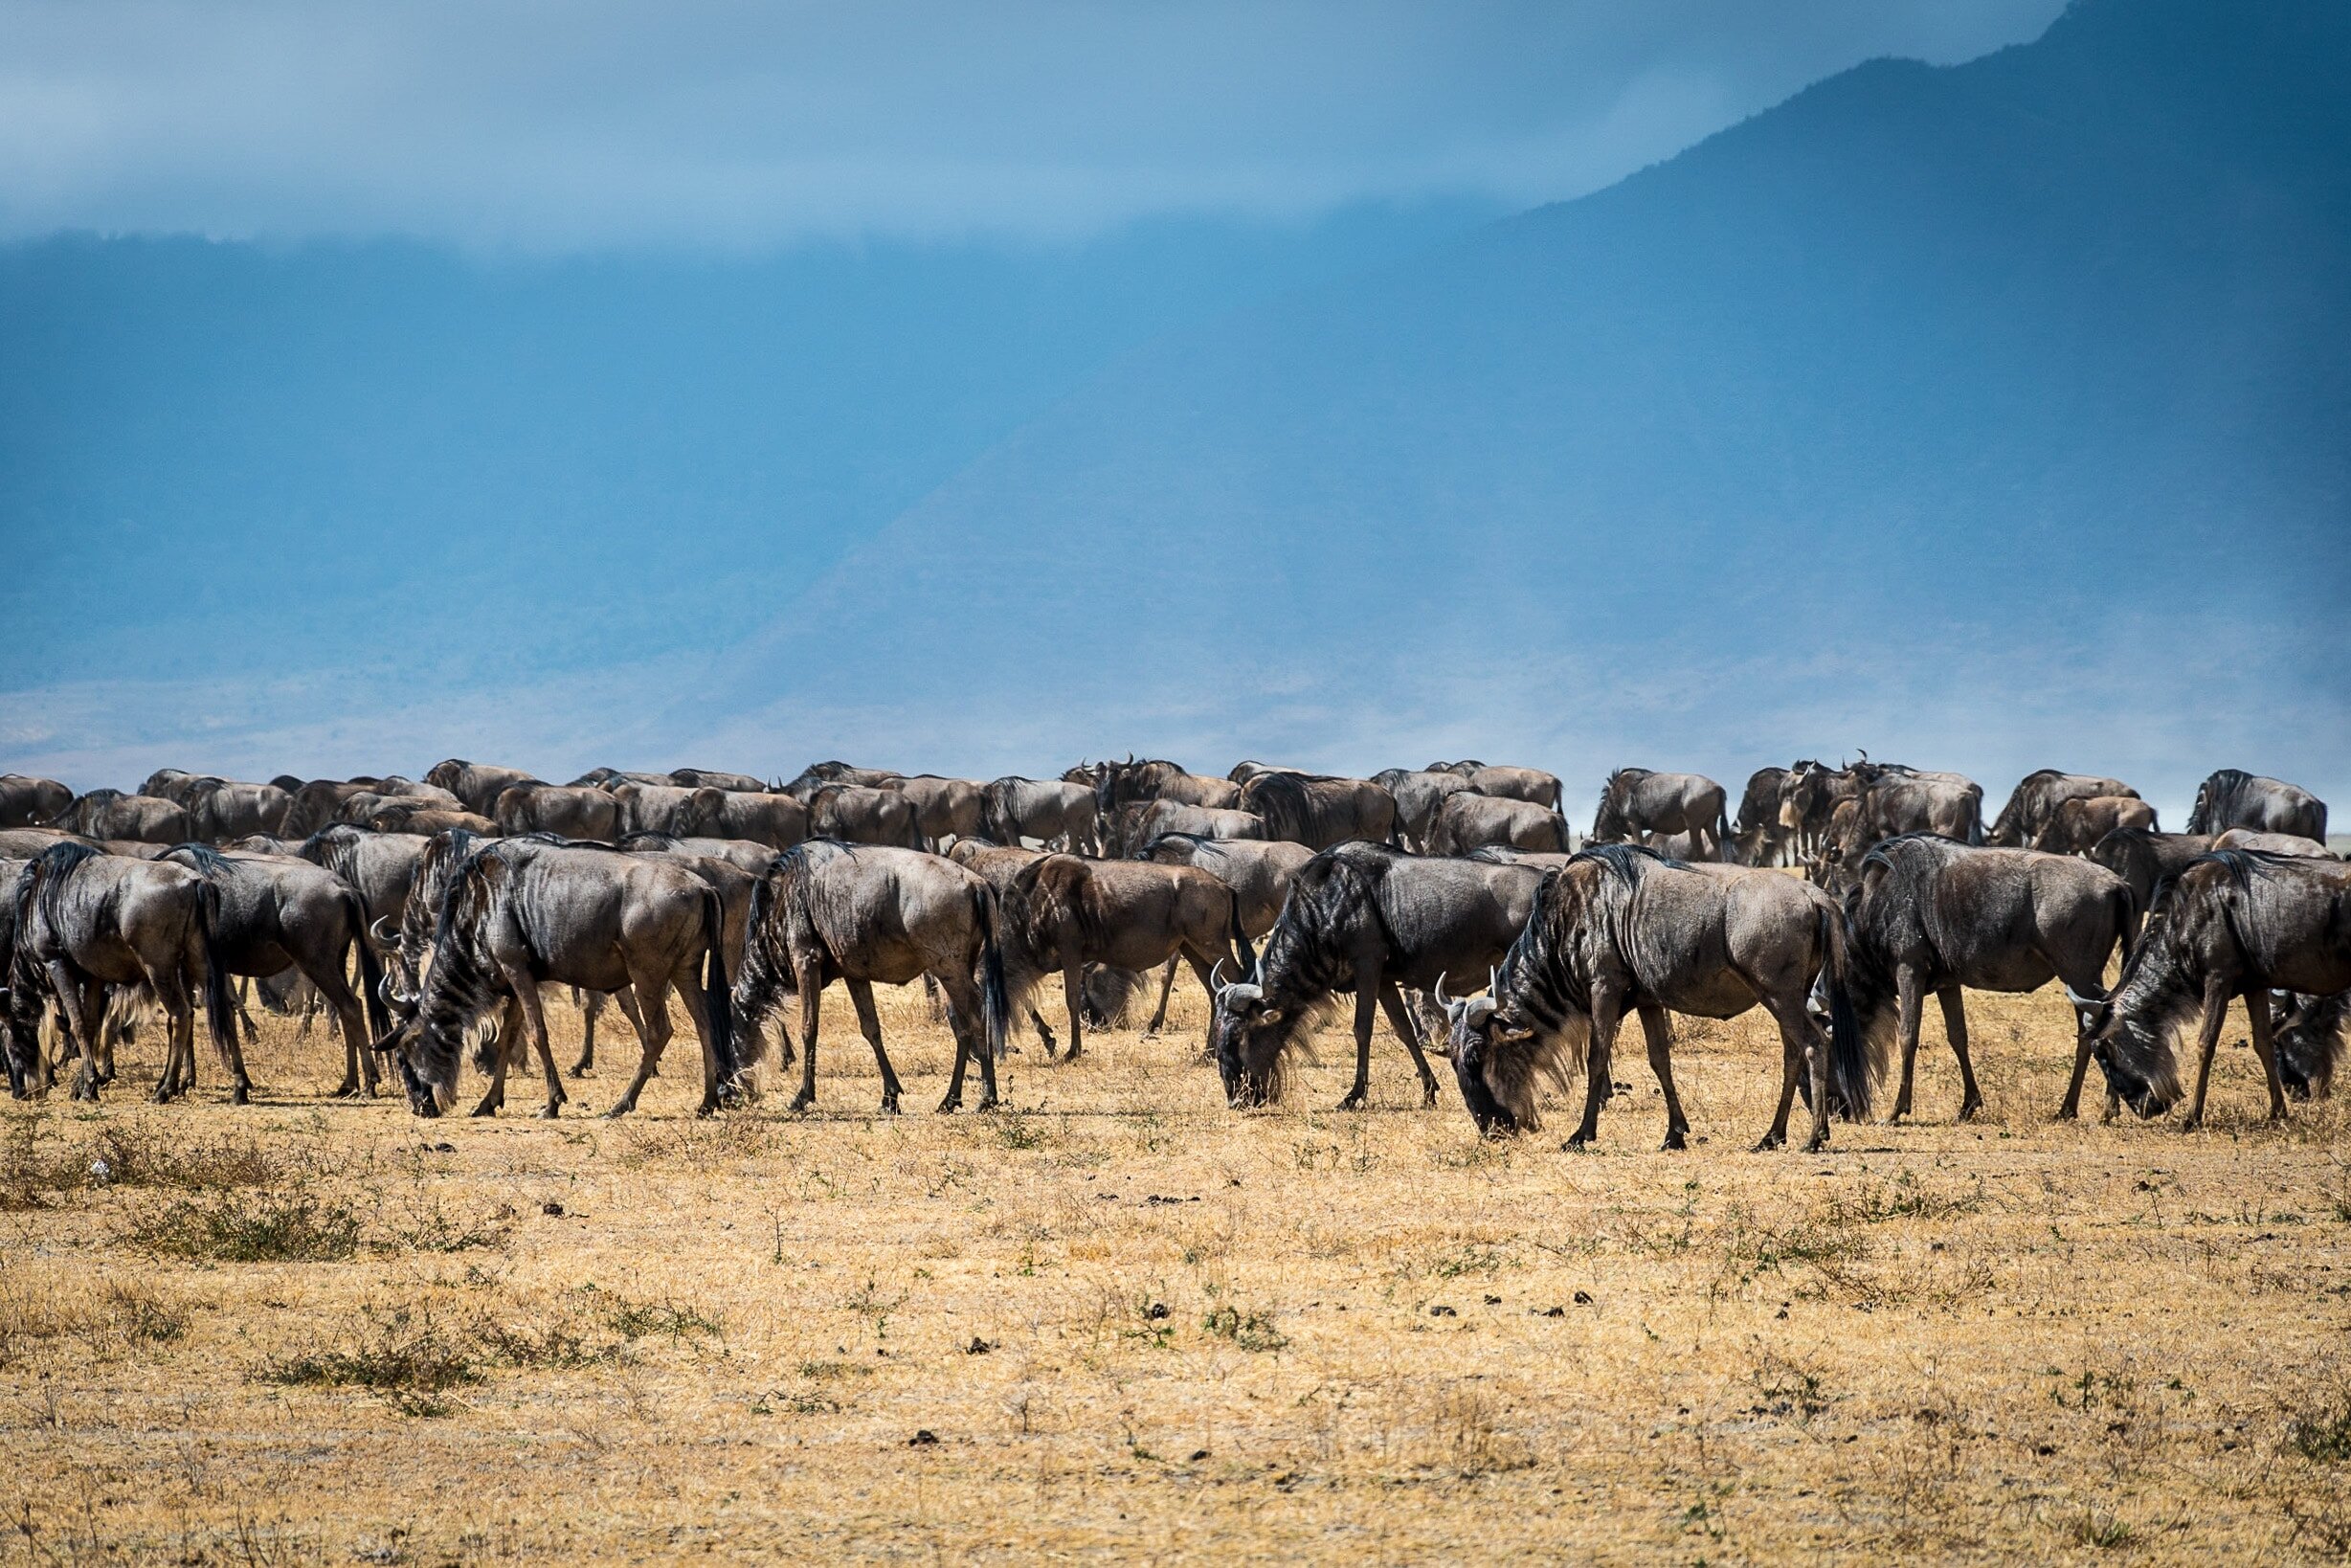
(236, 1227)
(131, 1154)
(429, 1227)
(1250, 1330)
(408, 1360)
(637, 1320)
(2322, 1435)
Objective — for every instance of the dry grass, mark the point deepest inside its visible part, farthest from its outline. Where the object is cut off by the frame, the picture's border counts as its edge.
(1122, 1320)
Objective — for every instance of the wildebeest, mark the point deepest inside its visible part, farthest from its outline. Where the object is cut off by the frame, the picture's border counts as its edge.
(566, 811)
(2232, 798)
(2272, 843)
(1637, 801)
(1123, 783)
(2236, 923)
(317, 802)
(944, 808)
(2077, 825)
(1762, 836)
(380, 867)
(425, 818)
(1140, 821)
(1927, 915)
(748, 854)
(865, 914)
(2146, 860)
(1056, 812)
(1367, 919)
(1258, 871)
(2310, 1036)
(476, 784)
(26, 800)
(817, 775)
(86, 920)
(519, 912)
(1062, 912)
(2032, 805)
(1894, 800)
(1808, 798)
(861, 814)
(141, 818)
(1465, 822)
(1318, 810)
(24, 843)
(221, 809)
(733, 884)
(714, 778)
(1532, 785)
(277, 913)
(1620, 928)
(1418, 793)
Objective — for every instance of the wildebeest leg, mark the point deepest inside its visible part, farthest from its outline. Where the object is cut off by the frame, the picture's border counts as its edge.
(1408, 1030)
(244, 1013)
(81, 1007)
(869, 1024)
(1800, 1037)
(1955, 1030)
(358, 1061)
(686, 982)
(2265, 1046)
(811, 981)
(590, 1005)
(1608, 1011)
(1367, 1009)
(1661, 1063)
(1913, 998)
(653, 1006)
(2216, 1015)
(1073, 992)
(171, 988)
(1167, 984)
(2085, 1043)
(509, 1042)
(1206, 973)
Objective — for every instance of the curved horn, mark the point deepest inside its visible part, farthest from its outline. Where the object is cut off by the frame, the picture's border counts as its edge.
(1493, 981)
(375, 929)
(1443, 1001)
(1215, 988)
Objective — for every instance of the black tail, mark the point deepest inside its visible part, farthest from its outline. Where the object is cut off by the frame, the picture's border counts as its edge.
(1849, 1069)
(1241, 941)
(370, 970)
(219, 1003)
(995, 997)
(717, 995)
(2126, 919)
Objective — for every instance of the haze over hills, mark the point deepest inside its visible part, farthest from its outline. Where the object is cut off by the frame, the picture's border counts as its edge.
(1999, 413)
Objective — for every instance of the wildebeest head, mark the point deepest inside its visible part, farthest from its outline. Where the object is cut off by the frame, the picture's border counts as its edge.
(2133, 1032)
(1247, 1031)
(1479, 1032)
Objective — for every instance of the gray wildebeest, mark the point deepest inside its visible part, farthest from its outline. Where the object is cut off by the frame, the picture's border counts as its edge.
(866, 913)
(221, 809)
(477, 784)
(1059, 813)
(1927, 915)
(26, 801)
(1138, 822)
(1635, 803)
(863, 814)
(1418, 793)
(2272, 843)
(278, 913)
(1318, 810)
(2034, 802)
(380, 867)
(1466, 822)
(2078, 825)
(1062, 912)
(1895, 800)
(1622, 929)
(2236, 923)
(1808, 800)
(817, 775)
(2310, 1036)
(714, 778)
(2147, 859)
(1123, 783)
(317, 802)
(518, 913)
(749, 854)
(85, 921)
(1366, 919)
(1760, 835)
(140, 819)
(1532, 785)
(1258, 871)
(565, 810)
(2231, 798)
(944, 808)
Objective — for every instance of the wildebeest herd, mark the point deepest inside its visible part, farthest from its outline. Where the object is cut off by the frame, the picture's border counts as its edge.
(425, 916)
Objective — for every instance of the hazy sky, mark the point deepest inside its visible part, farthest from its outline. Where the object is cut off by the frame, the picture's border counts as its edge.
(694, 124)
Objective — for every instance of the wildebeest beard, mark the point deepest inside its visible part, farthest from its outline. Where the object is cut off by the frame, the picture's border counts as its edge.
(459, 987)
(1257, 1023)
(1534, 1023)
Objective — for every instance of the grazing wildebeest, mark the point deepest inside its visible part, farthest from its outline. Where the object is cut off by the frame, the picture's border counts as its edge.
(1367, 919)
(1471, 822)
(2272, 843)
(1622, 929)
(2077, 825)
(1762, 836)
(1532, 785)
(713, 778)
(1138, 822)
(86, 920)
(733, 884)
(1636, 801)
(1062, 912)
(1054, 812)
(141, 818)
(2034, 802)
(944, 808)
(2310, 1036)
(861, 814)
(278, 913)
(1124, 783)
(1319, 810)
(566, 811)
(1895, 800)
(865, 914)
(1927, 915)
(1418, 794)
(2232, 798)
(26, 800)
(2147, 859)
(817, 775)
(476, 784)
(520, 912)
(2236, 923)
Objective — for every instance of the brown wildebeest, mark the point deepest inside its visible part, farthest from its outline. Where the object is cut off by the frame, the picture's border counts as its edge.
(26, 801)
(2034, 802)
(817, 775)
(2272, 843)
(1469, 821)
(1929, 916)
(316, 804)
(944, 808)
(776, 820)
(2237, 923)
(1418, 794)
(1897, 801)
(2309, 1038)
(425, 819)
(220, 809)
(1620, 928)
(1062, 912)
(141, 818)
(1000, 868)
(86, 920)
(1532, 785)
(1371, 920)
(2147, 859)
(714, 778)
(1057, 812)
(604, 778)
(1761, 837)
(1636, 801)
(733, 884)
(24, 843)
(1138, 822)
(566, 811)
(2232, 798)
(749, 854)
(477, 785)
(865, 913)
(2077, 825)
(655, 808)
(1123, 783)
(1808, 798)
(1319, 810)
(861, 814)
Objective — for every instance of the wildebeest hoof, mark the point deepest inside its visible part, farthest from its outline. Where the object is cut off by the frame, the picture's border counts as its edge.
(548, 1114)
(1577, 1144)
(347, 1091)
(947, 1106)
(800, 1102)
(1816, 1143)
(240, 1096)
(1428, 1093)
(582, 1071)
(1768, 1142)
(1674, 1139)
(1971, 1110)
(1354, 1101)
(620, 1109)
(2065, 1113)
(988, 1102)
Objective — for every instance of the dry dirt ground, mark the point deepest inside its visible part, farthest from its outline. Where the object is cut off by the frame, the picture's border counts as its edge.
(1122, 1320)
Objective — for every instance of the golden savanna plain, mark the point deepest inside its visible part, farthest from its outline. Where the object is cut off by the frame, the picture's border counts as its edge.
(1117, 1319)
